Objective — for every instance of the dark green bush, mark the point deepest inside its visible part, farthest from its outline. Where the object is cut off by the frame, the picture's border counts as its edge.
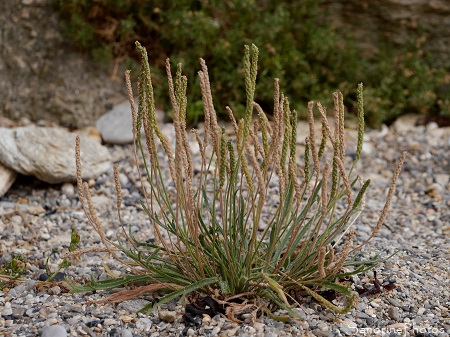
(295, 45)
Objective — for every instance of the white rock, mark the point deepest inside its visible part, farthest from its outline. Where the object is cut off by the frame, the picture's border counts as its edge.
(68, 189)
(54, 331)
(7, 178)
(49, 154)
(144, 324)
(405, 123)
(7, 310)
(116, 126)
(123, 179)
(442, 179)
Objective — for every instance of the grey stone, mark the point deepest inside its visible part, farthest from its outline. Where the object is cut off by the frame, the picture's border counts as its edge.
(133, 305)
(442, 179)
(18, 313)
(116, 126)
(19, 289)
(54, 331)
(49, 154)
(393, 313)
(29, 285)
(7, 178)
(126, 333)
(7, 310)
(270, 334)
(144, 324)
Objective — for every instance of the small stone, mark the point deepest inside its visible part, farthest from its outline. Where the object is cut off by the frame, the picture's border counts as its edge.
(91, 132)
(442, 179)
(30, 284)
(68, 189)
(51, 321)
(190, 332)
(270, 334)
(54, 331)
(420, 311)
(393, 313)
(167, 316)
(43, 277)
(18, 313)
(126, 319)
(30, 313)
(72, 321)
(45, 236)
(35, 210)
(133, 305)
(126, 333)
(56, 290)
(370, 312)
(394, 302)
(123, 179)
(144, 324)
(374, 304)
(348, 327)
(7, 310)
(259, 327)
(110, 321)
(19, 289)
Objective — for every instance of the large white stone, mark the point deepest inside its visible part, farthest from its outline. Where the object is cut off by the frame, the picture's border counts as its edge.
(7, 178)
(49, 154)
(116, 126)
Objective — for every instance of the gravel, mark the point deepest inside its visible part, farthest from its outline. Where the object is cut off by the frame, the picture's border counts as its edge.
(417, 229)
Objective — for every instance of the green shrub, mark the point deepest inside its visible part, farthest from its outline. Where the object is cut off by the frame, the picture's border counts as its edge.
(206, 228)
(405, 82)
(296, 45)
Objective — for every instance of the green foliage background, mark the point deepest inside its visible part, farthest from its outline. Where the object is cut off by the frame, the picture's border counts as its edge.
(295, 43)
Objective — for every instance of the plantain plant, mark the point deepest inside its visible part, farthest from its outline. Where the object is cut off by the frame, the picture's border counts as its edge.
(207, 225)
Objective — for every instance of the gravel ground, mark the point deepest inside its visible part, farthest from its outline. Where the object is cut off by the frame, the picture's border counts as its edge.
(36, 219)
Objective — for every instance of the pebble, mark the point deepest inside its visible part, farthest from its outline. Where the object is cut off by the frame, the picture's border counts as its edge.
(7, 310)
(56, 290)
(394, 313)
(415, 228)
(68, 189)
(144, 324)
(126, 333)
(54, 331)
(167, 316)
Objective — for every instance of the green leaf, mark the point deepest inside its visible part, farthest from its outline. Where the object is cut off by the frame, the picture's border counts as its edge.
(181, 292)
